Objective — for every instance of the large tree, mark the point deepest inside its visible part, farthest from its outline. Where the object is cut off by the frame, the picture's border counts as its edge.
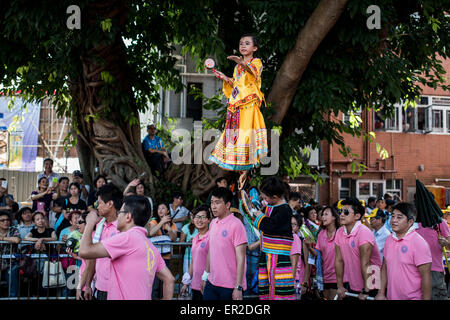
(320, 58)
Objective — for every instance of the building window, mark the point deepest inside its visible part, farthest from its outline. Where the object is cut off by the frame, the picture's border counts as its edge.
(194, 105)
(370, 188)
(388, 124)
(345, 188)
(394, 187)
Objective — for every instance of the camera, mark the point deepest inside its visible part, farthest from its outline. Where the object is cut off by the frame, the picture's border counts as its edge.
(71, 243)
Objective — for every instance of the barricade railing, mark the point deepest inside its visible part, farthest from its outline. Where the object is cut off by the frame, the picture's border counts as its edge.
(53, 274)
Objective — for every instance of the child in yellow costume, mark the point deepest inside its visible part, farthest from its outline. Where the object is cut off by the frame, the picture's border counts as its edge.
(244, 140)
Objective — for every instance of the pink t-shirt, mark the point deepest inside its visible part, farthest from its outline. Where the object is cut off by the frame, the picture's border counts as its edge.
(80, 272)
(431, 237)
(134, 263)
(296, 245)
(199, 251)
(402, 258)
(327, 248)
(297, 249)
(301, 264)
(349, 247)
(102, 265)
(224, 236)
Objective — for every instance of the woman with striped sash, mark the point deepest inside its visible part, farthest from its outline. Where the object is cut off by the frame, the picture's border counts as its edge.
(275, 276)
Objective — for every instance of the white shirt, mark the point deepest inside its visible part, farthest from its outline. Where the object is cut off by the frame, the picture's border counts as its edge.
(380, 237)
(180, 212)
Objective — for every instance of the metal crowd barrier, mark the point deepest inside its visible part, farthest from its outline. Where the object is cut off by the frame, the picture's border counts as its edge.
(16, 284)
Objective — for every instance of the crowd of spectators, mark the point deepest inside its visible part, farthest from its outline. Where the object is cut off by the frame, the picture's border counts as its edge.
(318, 251)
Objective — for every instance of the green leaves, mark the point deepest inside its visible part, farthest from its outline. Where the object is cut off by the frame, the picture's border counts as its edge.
(106, 25)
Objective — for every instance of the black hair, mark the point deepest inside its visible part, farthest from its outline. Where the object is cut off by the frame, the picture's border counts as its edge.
(356, 206)
(155, 211)
(335, 214)
(254, 38)
(139, 207)
(220, 179)
(295, 196)
(110, 192)
(40, 179)
(5, 213)
(63, 178)
(35, 214)
(200, 208)
(371, 199)
(299, 219)
(177, 194)
(48, 159)
(273, 186)
(408, 209)
(100, 176)
(76, 184)
(20, 212)
(306, 211)
(223, 193)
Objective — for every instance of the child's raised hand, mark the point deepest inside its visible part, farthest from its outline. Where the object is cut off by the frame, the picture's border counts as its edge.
(238, 60)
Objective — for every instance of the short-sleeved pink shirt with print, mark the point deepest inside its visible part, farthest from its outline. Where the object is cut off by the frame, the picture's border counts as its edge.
(431, 237)
(326, 246)
(402, 258)
(134, 264)
(349, 246)
(297, 249)
(296, 245)
(200, 247)
(102, 266)
(224, 236)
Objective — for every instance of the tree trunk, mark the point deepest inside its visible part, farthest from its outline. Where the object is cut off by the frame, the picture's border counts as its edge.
(109, 141)
(288, 77)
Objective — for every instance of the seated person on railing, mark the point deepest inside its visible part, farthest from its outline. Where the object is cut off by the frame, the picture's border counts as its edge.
(25, 223)
(40, 233)
(9, 266)
(158, 228)
(74, 216)
(73, 247)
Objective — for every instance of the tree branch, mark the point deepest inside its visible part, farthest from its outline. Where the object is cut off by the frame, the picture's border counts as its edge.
(288, 77)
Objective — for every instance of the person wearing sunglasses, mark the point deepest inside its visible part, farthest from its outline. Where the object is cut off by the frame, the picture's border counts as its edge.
(356, 252)
(135, 261)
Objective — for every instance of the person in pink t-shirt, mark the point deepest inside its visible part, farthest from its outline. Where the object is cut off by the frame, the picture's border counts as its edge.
(109, 202)
(406, 270)
(296, 258)
(301, 277)
(199, 250)
(224, 276)
(436, 242)
(357, 254)
(326, 245)
(135, 261)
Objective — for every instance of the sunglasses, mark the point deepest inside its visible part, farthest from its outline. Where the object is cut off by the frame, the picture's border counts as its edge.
(81, 222)
(4, 220)
(344, 211)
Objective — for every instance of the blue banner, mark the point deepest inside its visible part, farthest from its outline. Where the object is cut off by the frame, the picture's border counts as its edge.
(22, 122)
